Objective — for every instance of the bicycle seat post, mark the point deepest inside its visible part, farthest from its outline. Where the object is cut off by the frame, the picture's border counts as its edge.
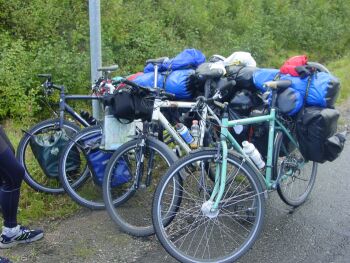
(155, 84)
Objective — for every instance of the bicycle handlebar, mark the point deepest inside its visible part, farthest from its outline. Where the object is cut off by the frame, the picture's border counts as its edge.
(153, 90)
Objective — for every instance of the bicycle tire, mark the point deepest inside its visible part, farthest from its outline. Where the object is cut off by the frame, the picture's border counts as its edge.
(54, 186)
(189, 227)
(134, 217)
(286, 163)
(79, 184)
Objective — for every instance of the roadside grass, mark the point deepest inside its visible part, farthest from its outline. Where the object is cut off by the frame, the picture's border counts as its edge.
(341, 68)
(36, 206)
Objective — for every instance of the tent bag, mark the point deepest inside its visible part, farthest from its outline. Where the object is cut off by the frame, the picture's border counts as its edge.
(189, 58)
(178, 82)
(323, 91)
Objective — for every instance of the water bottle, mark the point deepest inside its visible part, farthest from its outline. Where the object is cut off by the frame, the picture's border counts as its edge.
(184, 132)
(195, 132)
(250, 150)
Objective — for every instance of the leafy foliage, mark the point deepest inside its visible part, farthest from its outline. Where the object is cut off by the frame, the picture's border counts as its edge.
(53, 36)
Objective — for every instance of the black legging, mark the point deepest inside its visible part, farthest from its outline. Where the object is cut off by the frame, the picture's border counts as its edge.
(11, 176)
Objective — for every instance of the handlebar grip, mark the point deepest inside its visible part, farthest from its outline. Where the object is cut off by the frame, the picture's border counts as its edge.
(47, 76)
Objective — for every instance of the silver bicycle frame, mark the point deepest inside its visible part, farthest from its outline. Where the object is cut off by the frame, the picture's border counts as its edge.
(158, 116)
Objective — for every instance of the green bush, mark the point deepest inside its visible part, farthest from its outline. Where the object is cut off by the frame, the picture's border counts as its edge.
(53, 37)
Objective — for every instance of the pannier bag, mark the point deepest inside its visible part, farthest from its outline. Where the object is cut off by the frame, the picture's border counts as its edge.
(316, 128)
(242, 102)
(178, 82)
(208, 70)
(98, 160)
(289, 101)
(187, 59)
(130, 104)
(243, 76)
(47, 149)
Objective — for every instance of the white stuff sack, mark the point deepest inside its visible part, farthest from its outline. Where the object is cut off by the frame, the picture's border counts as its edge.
(240, 58)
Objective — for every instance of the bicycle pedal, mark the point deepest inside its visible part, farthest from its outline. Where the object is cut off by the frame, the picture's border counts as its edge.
(142, 186)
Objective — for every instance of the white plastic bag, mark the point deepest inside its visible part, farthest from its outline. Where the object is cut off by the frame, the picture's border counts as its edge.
(240, 58)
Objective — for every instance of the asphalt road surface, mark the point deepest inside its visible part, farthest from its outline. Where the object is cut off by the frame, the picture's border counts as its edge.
(318, 231)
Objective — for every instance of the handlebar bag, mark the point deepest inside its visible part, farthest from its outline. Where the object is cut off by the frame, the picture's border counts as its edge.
(47, 149)
(316, 128)
(129, 104)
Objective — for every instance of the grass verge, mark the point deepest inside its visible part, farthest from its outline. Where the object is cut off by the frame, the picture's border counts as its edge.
(341, 68)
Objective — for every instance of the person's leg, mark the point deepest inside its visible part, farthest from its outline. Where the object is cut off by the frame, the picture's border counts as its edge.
(12, 175)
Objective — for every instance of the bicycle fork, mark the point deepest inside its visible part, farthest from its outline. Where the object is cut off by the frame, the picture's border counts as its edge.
(140, 159)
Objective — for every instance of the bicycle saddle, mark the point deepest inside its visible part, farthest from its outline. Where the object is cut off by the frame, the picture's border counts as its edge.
(108, 68)
(156, 60)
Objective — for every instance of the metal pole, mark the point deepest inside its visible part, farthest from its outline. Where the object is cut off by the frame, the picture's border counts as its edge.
(95, 48)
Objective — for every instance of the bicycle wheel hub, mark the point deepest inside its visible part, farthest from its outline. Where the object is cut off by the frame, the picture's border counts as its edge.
(208, 210)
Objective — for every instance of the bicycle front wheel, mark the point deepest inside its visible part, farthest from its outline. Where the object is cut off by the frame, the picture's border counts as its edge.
(74, 169)
(35, 175)
(296, 175)
(190, 229)
(129, 205)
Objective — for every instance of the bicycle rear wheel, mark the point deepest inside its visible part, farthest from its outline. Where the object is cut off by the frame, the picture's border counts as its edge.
(35, 176)
(147, 159)
(189, 229)
(297, 175)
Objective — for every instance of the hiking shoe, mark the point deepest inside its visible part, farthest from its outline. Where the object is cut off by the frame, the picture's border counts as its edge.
(24, 235)
(4, 260)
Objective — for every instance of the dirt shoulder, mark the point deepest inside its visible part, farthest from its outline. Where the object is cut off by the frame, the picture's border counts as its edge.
(89, 236)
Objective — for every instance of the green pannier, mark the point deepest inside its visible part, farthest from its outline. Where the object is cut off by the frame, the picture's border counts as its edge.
(47, 149)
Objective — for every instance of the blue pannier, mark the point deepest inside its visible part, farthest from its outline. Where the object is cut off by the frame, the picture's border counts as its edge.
(98, 160)
(189, 58)
(178, 82)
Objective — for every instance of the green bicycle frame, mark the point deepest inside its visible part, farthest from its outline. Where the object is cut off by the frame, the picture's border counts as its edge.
(220, 181)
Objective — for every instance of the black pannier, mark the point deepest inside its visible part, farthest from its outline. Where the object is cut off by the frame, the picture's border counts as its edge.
(243, 75)
(130, 104)
(316, 133)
